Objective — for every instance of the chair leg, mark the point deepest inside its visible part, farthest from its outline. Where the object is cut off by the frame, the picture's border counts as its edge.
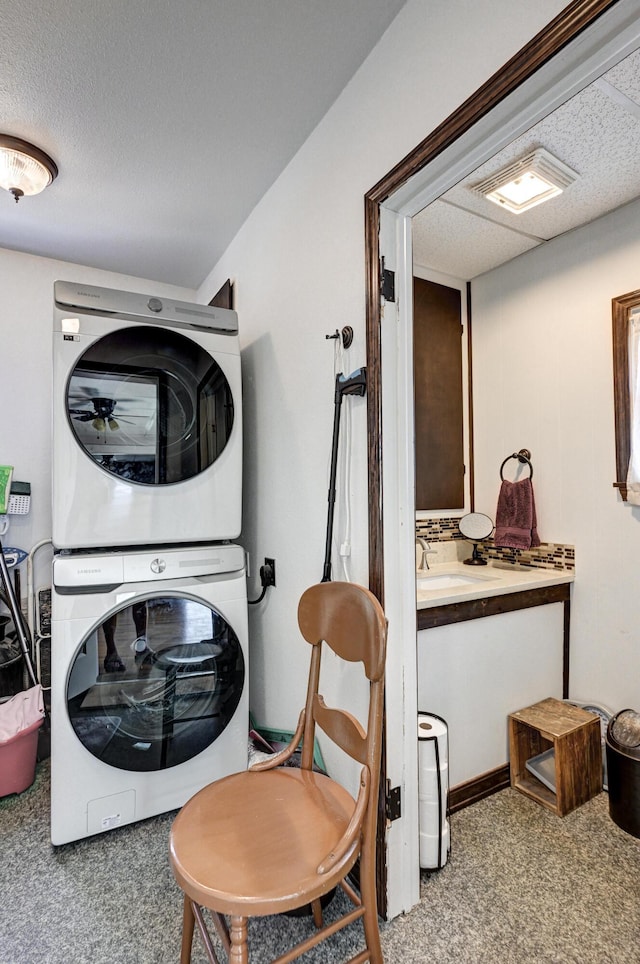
(372, 934)
(239, 953)
(316, 907)
(188, 921)
(370, 918)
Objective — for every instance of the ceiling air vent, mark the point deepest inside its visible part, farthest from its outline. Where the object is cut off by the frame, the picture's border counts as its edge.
(529, 181)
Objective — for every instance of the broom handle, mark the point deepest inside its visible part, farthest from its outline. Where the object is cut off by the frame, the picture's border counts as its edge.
(16, 614)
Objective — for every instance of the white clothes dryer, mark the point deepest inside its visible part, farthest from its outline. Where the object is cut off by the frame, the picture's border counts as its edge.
(136, 731)
(147, 420)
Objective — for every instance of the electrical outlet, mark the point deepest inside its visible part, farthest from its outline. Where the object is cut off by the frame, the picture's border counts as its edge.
(268, 573)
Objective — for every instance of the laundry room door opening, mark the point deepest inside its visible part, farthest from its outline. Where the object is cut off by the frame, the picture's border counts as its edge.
(162, 705)
(579, 44)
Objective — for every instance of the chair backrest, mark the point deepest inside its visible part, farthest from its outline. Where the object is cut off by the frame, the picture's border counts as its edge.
(350, 620)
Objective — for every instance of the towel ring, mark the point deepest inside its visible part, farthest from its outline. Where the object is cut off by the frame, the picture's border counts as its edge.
(523, 456)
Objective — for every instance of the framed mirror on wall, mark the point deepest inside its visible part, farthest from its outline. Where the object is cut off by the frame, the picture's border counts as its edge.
(625, 311)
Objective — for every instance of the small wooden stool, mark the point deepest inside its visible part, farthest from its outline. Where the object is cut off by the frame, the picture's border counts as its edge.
(574, 735)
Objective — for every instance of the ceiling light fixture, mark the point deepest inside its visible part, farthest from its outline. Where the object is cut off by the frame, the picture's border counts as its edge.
(529, 181)
(24, 168)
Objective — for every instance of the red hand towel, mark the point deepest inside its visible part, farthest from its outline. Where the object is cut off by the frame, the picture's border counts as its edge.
(516, 523)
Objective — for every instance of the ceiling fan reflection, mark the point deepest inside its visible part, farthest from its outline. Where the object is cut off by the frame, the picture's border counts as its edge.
(101, 416)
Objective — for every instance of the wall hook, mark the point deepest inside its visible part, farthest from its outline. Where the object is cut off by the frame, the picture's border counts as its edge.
(346, 335)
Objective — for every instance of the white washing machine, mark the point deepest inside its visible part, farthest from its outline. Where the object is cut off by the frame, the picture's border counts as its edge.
(147, 420)
(136, 731)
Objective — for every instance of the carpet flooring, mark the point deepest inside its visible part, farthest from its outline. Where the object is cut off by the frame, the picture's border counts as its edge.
(521, 886)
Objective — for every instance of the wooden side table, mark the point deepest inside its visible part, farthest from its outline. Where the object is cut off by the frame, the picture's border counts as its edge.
(574, 735)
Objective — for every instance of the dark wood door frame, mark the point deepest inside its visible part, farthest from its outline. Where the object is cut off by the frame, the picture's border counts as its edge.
(223, 298)
(574, 19)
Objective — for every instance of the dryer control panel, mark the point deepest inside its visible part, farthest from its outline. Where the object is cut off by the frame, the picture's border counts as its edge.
(127, 304)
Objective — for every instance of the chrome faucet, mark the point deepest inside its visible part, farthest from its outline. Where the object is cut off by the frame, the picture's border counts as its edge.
(426, 551)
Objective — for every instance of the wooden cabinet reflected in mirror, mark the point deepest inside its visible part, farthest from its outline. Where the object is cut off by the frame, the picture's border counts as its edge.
(440, 359)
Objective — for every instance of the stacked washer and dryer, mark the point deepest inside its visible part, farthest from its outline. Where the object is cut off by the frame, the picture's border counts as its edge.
(149, 679)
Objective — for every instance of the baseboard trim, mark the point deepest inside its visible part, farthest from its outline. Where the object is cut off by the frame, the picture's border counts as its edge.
(464, 794)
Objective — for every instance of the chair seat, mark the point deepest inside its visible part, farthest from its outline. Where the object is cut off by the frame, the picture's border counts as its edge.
(234, 845)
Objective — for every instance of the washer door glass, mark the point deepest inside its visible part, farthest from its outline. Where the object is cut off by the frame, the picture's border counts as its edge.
(155, 683)
(149, 405)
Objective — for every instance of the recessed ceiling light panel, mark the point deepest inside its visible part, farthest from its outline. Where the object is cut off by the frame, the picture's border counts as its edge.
(529, 181)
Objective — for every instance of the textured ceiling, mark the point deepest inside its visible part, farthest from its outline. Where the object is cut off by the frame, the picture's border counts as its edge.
(596, 133)
(168, 120)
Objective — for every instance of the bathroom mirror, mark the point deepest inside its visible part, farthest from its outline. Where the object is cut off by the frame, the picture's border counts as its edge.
(476, 527)
(442, 388)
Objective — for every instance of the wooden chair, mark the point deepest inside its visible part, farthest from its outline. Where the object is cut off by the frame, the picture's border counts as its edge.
(273, 839)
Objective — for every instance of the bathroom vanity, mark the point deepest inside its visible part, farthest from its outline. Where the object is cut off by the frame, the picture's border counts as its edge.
(490, 640)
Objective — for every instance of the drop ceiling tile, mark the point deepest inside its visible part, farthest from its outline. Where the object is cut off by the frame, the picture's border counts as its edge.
(462, 245)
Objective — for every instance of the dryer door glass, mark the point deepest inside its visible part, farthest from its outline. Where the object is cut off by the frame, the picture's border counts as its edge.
(156, 683)
(150, 405)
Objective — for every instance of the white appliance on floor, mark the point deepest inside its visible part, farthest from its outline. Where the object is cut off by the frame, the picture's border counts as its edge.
(147, 420)
(137, 741)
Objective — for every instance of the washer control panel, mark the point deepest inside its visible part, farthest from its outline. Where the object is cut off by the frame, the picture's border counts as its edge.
(75, 572)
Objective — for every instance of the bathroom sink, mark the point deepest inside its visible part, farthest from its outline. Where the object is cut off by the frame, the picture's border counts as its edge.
(454, 582)
(447, 580)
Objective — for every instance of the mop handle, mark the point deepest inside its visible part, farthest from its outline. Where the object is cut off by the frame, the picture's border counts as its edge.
(354, 384)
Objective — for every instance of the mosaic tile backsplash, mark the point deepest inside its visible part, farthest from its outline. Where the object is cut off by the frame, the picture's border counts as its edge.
(549, 555)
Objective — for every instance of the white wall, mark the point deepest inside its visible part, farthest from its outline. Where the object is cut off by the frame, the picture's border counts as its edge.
(543, 380)
(26, 326)
(298, 268)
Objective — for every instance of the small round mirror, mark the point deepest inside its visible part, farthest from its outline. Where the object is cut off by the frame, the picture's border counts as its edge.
(475, 526)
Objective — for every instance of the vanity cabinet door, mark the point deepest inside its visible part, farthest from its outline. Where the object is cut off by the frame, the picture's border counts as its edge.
(474, 674)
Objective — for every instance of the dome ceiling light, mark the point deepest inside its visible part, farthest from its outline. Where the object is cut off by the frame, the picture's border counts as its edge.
(24, 168)
(529, 181)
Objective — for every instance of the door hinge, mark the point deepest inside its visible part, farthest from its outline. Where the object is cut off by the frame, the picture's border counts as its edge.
(387, 282)
(393, 803)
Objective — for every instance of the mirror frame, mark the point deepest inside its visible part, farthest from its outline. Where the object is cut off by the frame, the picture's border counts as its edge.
(621, 308)
(573, 20)
(479, 515)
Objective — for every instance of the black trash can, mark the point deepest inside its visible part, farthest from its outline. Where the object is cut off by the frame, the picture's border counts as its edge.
(623, 767)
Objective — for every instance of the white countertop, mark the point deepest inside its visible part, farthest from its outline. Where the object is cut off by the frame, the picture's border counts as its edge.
(494, 579)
